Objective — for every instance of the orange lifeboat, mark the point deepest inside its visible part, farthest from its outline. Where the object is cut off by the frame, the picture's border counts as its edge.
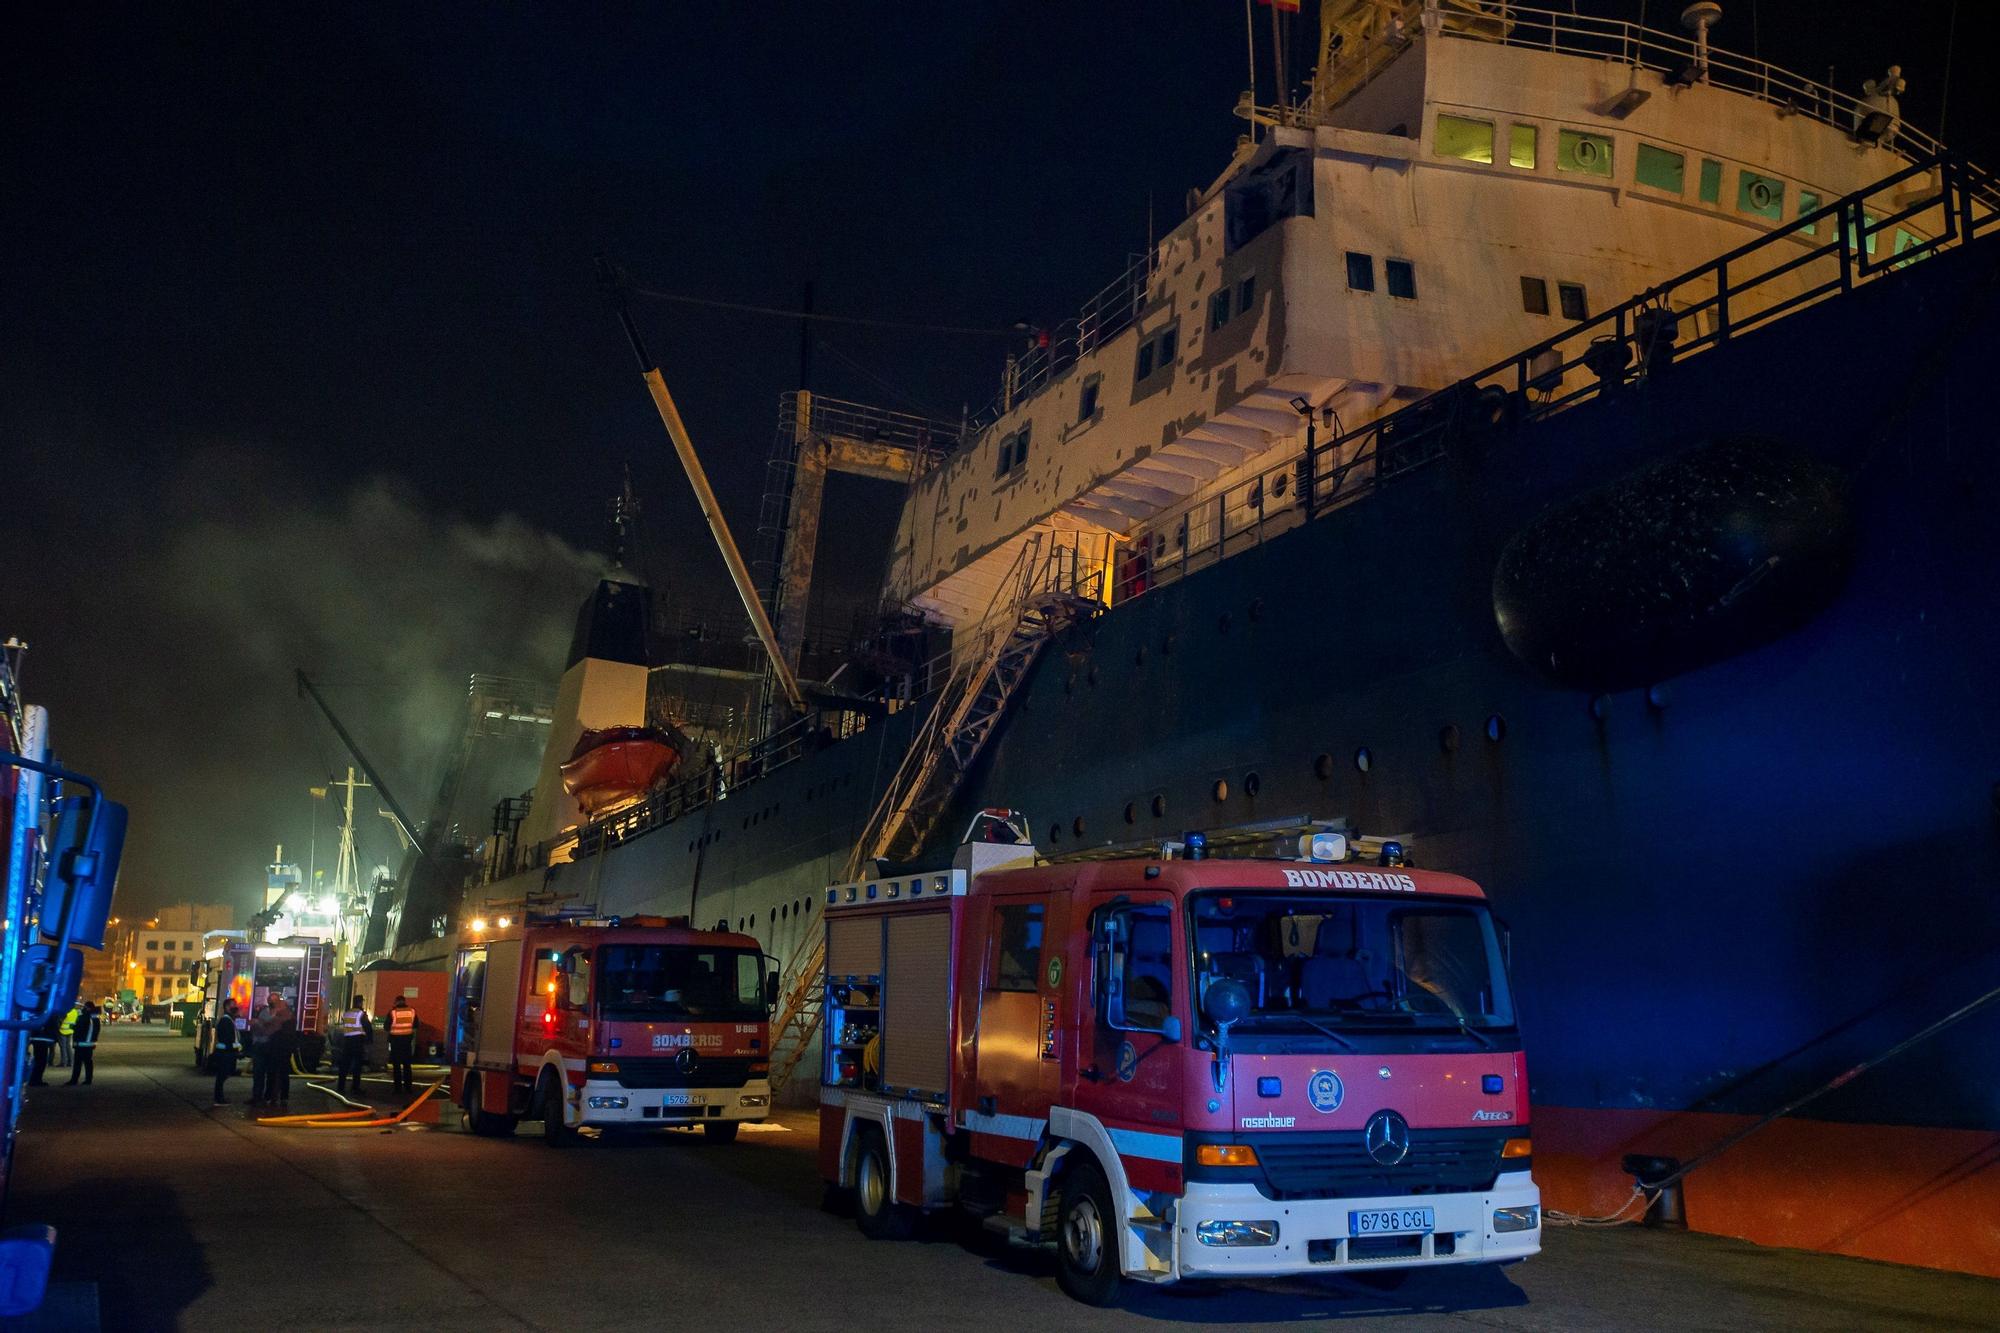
(618, 764)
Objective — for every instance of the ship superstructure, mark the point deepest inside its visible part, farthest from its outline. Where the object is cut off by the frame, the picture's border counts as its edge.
(1473, 464)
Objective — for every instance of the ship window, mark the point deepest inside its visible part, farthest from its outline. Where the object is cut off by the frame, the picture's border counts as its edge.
(1575, 304)
(1760, 196)
(1218, 309)
(1660, 169)
(1360, 271)
(1170, 343)
(1535, 296)
(1588, 154)
(1867, 229)
(1402, 276)
(1145, 367)
(1087, 405)
(1017, 947)
(1808, 203)
(1521, 146)
(1246, 292)
(1711, 181)
(1013, 454)
(1466, 140)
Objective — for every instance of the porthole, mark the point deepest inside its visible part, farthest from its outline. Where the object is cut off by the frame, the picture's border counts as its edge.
(784, 911)
(1256, 609)
(1279, 483)
(1091, 675)
(1252, 784)
(1055, 833)
(1496, 728)
(1159, 807)
(753, 921)
(1131, 812)
(1448, 738)
(1076, 826)
(1323, 767)
(1364, 759)
(1221, 791)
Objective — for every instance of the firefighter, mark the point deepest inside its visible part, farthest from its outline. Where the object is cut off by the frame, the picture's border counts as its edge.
(63, 1034)
(43, 1043)
(401, 1023)
(355, 1030)
(88, 1025)
(227, 1044)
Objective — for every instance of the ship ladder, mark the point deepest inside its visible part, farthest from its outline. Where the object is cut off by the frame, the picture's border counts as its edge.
(1043, 593)
(800, 1008)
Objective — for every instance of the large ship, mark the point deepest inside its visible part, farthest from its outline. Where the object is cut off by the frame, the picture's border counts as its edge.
(1559, 445)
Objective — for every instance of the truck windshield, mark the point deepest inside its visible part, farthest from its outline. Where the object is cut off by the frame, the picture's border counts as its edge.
(649, 981)
(1353, 962)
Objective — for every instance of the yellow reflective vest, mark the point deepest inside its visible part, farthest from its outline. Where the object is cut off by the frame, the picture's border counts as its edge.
(69, 1022)
(354, 1023)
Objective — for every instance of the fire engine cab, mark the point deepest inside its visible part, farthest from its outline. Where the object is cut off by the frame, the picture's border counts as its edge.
(609, 1023)
(1181, 1065)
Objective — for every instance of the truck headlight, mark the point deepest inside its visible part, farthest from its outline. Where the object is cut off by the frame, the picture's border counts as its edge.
(1237, 1233)
(753, 1099)
(1516, 1219)
(608, 1103)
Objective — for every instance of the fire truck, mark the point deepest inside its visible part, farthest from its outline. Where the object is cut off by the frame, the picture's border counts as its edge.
(1181, 1065)
(236, 967)
(611, 1024)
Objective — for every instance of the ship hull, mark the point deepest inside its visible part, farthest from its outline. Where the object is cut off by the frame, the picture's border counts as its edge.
(1725, 887)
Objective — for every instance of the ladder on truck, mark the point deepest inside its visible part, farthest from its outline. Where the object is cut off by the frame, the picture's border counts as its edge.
(1044, 591)
(312, 989)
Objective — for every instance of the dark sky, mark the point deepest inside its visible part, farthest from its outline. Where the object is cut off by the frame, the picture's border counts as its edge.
(302, 362)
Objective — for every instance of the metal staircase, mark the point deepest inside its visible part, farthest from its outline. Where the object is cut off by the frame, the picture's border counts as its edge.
(1046, 589)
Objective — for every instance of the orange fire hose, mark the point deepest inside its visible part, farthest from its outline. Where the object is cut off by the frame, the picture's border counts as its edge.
(342, 1120)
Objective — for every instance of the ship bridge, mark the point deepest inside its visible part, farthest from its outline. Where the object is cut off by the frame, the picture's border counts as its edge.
(1464, 179)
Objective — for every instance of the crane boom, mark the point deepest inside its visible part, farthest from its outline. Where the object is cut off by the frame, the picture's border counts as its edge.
(403, 821)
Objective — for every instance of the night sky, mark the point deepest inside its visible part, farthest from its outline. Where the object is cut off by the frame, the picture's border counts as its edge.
(303, 362)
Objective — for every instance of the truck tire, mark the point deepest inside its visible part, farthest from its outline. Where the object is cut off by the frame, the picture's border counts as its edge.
(476, 1120)
(720, 1131)
(1087, 1238)
(876, 1211)
(549, 1109)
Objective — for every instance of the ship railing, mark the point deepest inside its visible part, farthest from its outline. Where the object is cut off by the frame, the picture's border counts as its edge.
(1051, 351)
(1625, 43)
(1929, 206)
(929, 438)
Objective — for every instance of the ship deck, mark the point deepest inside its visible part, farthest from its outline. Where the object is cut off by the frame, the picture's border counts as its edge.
(176, 1214)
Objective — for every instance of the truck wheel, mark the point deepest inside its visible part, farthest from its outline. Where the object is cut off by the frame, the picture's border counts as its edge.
(548, 1106)
(720, 1131)
(876, 1211)
(1087, 1238)
(476, 1120)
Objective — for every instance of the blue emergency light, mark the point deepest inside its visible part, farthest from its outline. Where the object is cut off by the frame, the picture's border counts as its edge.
(1196, 846)
(1491, 1084)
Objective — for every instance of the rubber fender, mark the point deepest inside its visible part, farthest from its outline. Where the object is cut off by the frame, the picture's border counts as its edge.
(1684, 563)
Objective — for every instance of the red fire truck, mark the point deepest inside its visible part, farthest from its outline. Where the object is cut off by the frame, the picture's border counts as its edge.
(236, 967)
(1181, 1065)
(609, 1023)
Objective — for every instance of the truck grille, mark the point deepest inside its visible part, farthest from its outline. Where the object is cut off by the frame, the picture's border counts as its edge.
(717, 1071)
(1337, 1165)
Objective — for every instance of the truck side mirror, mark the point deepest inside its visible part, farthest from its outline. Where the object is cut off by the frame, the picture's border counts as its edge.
(770, 990)
(1171, 1028)
(1225, 1002)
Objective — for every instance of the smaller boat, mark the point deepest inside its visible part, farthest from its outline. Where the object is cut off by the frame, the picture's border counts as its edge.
(614, 765)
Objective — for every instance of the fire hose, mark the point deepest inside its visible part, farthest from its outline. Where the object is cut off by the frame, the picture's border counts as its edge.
(367, 1118)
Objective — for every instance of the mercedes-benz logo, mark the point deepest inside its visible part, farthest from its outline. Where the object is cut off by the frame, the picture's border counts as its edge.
(685, 1060)
(1387, 1137)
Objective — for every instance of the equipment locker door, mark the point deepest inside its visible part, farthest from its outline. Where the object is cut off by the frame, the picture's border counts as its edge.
(1017, 1053)
(1131, 1075)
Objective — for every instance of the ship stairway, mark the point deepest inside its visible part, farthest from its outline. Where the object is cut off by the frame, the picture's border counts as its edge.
(1051, 585)
(801, 997)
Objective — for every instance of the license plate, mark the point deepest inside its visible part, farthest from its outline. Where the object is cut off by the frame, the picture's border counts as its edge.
(1390, 1221)
(684, 1099)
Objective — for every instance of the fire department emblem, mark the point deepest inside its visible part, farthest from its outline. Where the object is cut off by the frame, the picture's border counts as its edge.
(1128, 1062)
(1055, 971)
(1324, 1091)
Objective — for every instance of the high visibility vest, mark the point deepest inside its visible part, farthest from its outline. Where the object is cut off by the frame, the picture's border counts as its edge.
(354, 1023)
(69, 1022)
(402, 1021)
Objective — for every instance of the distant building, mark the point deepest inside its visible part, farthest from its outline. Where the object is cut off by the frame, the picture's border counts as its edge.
(151, 957)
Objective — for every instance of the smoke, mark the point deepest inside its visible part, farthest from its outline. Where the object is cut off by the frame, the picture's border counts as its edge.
(176, 682)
